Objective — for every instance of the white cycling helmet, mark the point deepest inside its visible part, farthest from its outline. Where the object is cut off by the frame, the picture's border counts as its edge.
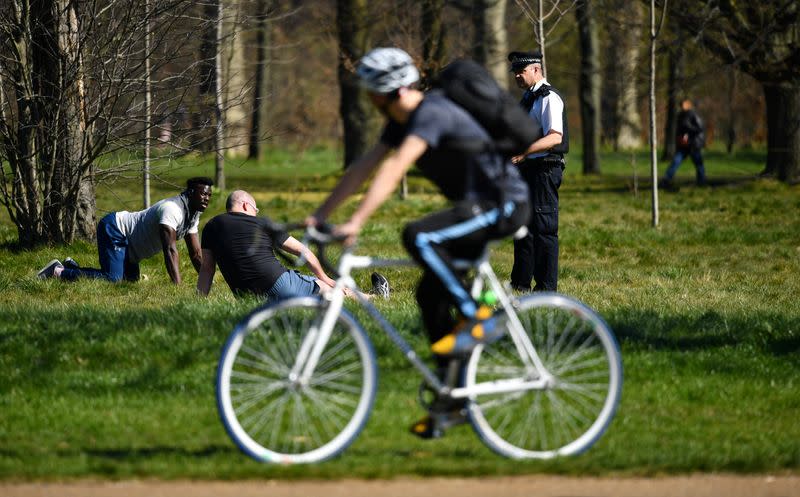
(384, 70)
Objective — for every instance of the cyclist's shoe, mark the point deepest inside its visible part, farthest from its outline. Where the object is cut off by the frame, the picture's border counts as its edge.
(71, 263)
(49, 270)
(434, 424)
(482, 328)
(380, 285)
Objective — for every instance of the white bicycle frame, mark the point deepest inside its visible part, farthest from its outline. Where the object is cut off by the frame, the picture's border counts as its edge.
(536, 377)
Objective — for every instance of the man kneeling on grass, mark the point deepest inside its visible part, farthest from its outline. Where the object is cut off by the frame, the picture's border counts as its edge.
(243, 245)
(126, 238)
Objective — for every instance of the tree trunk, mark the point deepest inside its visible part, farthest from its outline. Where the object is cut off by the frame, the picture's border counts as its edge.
(630, 121)
(219, 113)
(590, 82)
(674, 84)
(81, 209)
(433, 46)
(237, 127)
(260, 90)
(541, 36)
(730, 135)
(491, 38)
(45, 143)
(148, 112)
(783, 131)
(351, 20)
(652, 109)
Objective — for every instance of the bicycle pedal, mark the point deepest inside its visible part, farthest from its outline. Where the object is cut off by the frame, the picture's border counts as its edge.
(426, 428)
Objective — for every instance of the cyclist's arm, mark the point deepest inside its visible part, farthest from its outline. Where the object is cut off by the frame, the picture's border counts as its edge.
(205, 277)
(294, 246)
(355, 175)
(388, 177)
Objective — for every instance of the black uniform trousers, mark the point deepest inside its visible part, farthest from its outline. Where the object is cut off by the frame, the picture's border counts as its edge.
(536, 254)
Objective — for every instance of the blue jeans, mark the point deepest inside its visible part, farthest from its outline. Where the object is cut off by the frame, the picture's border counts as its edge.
(112, 250)
(697, 158)
(293, 284)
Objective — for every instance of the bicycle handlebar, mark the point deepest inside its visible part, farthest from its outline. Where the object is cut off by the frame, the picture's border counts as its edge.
(319, 236)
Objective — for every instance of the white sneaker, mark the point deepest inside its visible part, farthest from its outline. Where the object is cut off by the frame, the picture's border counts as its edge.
(49, 270)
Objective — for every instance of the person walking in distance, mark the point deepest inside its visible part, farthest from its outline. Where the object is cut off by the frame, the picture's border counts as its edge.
(690, 140)
(542, 166)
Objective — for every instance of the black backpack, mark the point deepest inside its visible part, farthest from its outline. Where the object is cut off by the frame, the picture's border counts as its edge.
(470, 85)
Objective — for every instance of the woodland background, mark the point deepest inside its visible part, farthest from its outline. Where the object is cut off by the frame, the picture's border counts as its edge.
(92, 91)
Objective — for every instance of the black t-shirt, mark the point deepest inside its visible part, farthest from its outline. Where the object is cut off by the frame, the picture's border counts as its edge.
(243, 247)
(459, 174)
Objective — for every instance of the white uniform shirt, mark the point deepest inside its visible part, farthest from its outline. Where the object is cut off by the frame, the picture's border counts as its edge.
(547, 114)
(142, 228)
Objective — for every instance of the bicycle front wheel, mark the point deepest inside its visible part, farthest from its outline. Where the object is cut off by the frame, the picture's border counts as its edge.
(583, 368)
(273, 417)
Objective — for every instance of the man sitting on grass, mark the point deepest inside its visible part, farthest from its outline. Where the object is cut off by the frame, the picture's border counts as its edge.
(243, 246)
(125, 238)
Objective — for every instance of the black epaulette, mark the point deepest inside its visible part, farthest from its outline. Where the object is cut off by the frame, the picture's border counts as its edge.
(530, 97)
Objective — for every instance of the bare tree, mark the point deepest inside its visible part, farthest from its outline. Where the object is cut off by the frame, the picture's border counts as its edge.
(67, 74)
(544, 16)
(674, 84)
(655, 29)
(763, 40)
(351, 20)
(434, 48)
(74, 81)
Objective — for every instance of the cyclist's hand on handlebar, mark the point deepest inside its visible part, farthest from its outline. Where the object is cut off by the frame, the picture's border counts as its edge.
(349, 231)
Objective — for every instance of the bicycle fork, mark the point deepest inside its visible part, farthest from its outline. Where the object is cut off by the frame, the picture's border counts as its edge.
(317, 338)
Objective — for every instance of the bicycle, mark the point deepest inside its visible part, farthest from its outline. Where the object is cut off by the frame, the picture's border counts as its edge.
(297, 379)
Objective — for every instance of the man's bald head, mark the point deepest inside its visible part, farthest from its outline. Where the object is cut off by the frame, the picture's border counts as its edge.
(241, 201)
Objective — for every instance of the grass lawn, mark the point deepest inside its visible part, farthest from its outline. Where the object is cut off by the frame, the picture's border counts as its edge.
(117, 381)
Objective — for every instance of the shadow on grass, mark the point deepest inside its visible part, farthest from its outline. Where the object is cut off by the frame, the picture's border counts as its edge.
(100, 350)
(614, 183)
(773, 333)
(149, 452)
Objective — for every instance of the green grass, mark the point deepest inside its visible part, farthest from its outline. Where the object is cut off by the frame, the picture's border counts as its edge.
(117, 381)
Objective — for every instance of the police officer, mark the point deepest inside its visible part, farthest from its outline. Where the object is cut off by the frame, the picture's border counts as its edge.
(542, 164)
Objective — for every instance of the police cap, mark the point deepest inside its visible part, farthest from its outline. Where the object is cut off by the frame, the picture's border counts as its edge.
(521, 60)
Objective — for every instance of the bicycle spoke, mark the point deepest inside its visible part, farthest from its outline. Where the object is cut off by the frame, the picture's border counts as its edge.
(266, 412)
(577, 352)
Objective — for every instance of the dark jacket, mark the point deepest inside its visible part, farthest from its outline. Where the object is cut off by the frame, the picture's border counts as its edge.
(691, 131)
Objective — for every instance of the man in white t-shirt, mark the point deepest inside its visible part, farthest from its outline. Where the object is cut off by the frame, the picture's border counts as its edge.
(126, 238)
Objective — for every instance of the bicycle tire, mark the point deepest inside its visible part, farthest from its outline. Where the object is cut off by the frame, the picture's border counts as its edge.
(567, 417)
(275, 420)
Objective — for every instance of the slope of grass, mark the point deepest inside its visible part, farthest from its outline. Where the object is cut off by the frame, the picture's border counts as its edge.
(116, 381)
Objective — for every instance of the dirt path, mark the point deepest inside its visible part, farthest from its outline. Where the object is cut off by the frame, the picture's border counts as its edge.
(526, 486)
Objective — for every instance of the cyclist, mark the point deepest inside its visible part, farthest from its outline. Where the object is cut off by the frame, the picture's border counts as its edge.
(490, 199)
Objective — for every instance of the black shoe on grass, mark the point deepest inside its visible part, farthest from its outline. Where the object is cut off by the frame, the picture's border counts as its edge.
(380, 285)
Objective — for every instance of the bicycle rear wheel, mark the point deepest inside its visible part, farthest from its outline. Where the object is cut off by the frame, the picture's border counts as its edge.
(274, 418)
(569, 414)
